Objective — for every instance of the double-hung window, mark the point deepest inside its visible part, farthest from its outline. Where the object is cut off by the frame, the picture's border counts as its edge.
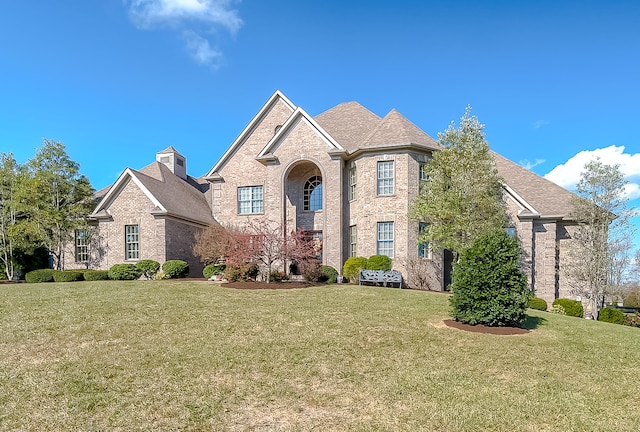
(250, 200)
(385, 178)
(353, 241)
(353, 178)
(132, 242)
(385, 239)
(82, 246)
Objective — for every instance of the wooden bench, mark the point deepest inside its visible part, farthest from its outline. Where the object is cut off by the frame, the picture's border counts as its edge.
(383, 277)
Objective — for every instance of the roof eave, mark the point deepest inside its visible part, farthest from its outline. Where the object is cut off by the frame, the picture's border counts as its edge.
(393, 147)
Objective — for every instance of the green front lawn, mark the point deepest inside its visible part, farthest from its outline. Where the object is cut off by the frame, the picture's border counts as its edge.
(180, 355)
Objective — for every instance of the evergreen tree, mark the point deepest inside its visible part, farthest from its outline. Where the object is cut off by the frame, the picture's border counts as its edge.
(488, 286)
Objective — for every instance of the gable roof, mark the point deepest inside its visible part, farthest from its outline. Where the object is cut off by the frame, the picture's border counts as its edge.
(275, 97)
(541, 197)
(299, 114)
(171, 195)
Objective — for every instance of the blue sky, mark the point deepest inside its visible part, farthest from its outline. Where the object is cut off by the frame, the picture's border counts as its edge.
(555, 82)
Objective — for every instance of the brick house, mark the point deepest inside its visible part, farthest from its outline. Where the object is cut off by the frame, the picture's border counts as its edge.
(346, 175)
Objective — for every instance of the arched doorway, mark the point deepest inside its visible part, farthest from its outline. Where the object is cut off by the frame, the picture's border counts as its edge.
(304, 201)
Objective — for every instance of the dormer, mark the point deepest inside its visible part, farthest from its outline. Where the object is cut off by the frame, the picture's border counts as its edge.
(174, 161)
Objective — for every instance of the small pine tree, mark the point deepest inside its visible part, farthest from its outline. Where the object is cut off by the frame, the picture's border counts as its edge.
(488, 286)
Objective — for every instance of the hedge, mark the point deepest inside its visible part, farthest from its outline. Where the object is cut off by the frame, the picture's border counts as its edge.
(124, 272)
(94, 275)
(68, 275)
(571, 307)
(175, 269)
(537, 303)
(611, 315)
(148, 268)
(37, 276)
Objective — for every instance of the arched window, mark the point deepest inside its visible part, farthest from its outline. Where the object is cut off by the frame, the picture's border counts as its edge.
(313, 194)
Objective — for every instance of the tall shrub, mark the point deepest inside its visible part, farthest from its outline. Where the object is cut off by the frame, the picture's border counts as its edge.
(378, 262)
(352, 268)
(488, 286)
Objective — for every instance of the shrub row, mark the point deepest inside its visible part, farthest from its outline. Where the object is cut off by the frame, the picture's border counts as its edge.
(354, 265)
(148, 268)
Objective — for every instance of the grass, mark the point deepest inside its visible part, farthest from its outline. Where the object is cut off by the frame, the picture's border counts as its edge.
(169, 355)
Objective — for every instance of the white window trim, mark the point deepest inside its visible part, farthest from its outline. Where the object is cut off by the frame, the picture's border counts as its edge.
(251, 201)
(391, 178)
(127, 257)
(391, 240)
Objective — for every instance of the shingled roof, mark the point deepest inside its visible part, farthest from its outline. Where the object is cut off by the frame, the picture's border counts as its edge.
(395, 128)
(348, 123)
(544, 196)
(184, 199)
(357, 128)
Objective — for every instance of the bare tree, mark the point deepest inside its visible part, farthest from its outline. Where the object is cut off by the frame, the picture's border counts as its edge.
(213, 243)
(598, 256)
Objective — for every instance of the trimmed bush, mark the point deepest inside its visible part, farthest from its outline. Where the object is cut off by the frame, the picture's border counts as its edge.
(94, 275)
(330, 274)
(537, 303)
(378, 262)
(212, 270)
(124, 272)
(571, 307)
(243, 273)
(38, 276)
(277, 276)
(488, 286)
(68, 275)
(352, 268)
(611, 315)
(175, 269)
(148, 268)
(557, 309)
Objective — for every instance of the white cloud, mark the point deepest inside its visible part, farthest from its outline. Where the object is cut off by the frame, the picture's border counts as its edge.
(568, 174)
(200, 49)
(529, 165)
(187, 15)
(540, 123)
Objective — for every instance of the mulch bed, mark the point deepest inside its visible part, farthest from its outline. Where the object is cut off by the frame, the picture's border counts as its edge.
(263, 285)
(484, 329)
